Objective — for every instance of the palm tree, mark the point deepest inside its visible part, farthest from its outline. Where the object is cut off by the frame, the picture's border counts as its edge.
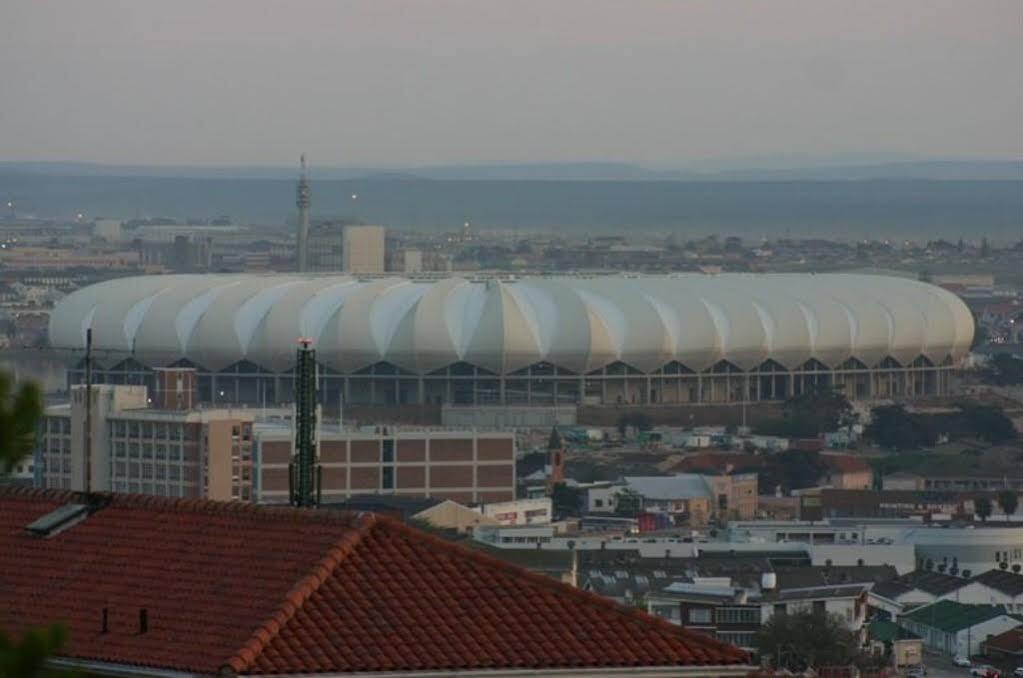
(20, 412)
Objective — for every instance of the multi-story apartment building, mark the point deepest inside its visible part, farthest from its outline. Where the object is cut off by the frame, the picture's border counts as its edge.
(134, 447)
(163, 446)
(465, 466)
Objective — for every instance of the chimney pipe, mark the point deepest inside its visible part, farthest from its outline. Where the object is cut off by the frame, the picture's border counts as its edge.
(143, 620)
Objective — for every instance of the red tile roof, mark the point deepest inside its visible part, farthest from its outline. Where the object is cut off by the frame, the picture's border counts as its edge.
(1009, 642)
(281, 590)
(845, 463)
(723, 462)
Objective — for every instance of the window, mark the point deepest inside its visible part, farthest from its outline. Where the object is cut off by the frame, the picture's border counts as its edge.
(737, 615)
(739, 638)
(779, 608)
(598, 503)
(388, 451)
(387, 478)
(820, 607)
(699, 615)
(664, 611)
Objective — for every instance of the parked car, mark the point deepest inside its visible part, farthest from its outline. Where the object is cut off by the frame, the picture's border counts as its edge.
(984, 671)
(918, 671)
(1018, 673)
(960, 660)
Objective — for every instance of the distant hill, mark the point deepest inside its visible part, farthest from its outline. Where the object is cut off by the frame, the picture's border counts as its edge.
(781, 206)
(973, 170)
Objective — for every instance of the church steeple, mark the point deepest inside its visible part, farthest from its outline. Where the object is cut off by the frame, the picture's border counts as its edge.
(555, 459)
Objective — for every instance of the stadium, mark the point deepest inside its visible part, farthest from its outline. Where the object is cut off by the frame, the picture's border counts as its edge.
(614, 340)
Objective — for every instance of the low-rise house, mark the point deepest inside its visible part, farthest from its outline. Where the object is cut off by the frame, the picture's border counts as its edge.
(848, 601)
(712, 606)
(956, 628)
(846, 472)
(520, 511)
(994, 587)
(734, 607)
(1006, 647)
(901, 647)
(153, 586)
(450, 515)
(912, 590)
(628, 587)
(697, 499)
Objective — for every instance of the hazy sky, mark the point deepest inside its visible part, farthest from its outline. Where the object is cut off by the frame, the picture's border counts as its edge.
(422, 82)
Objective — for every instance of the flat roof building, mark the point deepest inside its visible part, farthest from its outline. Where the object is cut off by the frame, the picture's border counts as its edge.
(465, 466)
(363, 249)
(136, 448)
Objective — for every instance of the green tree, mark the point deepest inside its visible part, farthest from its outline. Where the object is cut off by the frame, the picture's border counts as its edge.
(1008, 501)
(892, 427)
(987, 422)
(629, 503)
(20, 412)
(810, 414)
(564, 499)
(792, 470)
(982, 508)
(26, 658)
(803, 639)
(1003, 370)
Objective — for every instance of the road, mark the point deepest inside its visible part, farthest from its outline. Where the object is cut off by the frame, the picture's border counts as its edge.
(941, 666)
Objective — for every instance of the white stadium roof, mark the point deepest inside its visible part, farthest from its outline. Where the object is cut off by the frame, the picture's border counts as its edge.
(580, 324)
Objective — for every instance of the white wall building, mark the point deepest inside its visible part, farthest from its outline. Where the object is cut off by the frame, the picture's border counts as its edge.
(520, 512)
(363, 249)
(957, 629)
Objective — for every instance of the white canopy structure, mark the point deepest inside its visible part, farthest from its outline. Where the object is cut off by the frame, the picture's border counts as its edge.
(579, 325)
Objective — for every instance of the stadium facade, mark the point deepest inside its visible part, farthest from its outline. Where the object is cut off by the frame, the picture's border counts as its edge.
(615, 340)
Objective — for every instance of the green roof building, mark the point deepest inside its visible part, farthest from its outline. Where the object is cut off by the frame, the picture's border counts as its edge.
(956, 628)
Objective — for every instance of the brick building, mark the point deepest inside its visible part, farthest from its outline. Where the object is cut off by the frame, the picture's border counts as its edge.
(156, 443)
(464, 466)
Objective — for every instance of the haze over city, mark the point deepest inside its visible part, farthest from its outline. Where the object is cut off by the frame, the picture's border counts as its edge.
(485, 339)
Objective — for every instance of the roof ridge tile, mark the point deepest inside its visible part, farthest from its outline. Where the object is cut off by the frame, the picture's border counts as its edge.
(302, 591)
